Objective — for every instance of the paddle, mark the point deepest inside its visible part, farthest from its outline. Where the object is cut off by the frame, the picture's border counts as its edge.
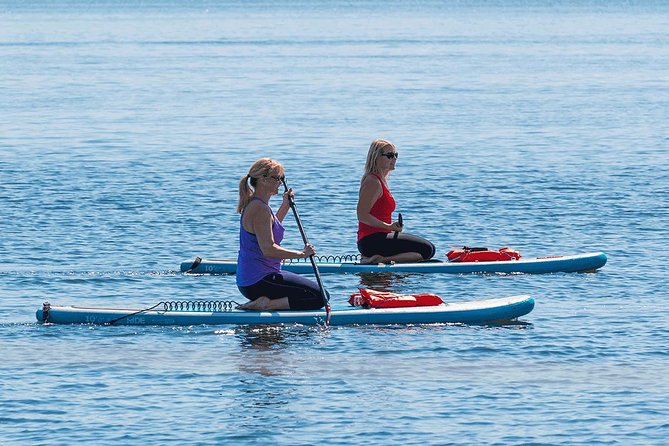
(311, 257)
(399, 220)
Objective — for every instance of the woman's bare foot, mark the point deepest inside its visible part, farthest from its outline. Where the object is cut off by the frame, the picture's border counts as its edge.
(259, 304)
(373, 260)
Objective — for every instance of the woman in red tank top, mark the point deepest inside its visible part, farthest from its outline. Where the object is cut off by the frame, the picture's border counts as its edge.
(380, 240)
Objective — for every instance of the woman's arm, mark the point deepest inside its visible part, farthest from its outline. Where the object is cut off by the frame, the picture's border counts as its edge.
(370, 191)
(285, 205)
(261, 223)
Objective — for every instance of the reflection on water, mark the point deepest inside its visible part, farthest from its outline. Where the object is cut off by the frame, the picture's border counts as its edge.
(266, 371)
(384, 281)
(263, 348)
(260, 337)
(509, 323)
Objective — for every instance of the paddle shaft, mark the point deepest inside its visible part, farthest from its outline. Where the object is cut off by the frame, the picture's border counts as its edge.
(399, 219)
(311, 257)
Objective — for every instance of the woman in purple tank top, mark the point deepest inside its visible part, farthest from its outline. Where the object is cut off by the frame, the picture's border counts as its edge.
(259, 275)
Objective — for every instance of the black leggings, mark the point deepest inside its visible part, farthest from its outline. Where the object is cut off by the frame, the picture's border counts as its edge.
(387, 245)
(302, 293)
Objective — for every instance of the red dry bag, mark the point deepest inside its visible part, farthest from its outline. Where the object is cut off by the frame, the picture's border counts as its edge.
(385, 299)
(482, 255)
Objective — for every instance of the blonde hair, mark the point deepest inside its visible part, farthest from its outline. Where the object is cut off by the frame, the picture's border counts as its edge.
(375, 150)
(261, 168)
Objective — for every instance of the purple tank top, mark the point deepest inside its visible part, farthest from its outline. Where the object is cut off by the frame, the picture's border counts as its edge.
(252, 265)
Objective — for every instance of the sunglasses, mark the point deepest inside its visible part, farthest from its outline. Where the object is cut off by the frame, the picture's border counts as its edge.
(390, 155)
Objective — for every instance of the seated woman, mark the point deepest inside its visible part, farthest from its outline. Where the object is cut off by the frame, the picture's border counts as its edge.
(380, 240)
(259, 275)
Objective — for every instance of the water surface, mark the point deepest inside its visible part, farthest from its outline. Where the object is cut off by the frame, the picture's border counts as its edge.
(126, 127)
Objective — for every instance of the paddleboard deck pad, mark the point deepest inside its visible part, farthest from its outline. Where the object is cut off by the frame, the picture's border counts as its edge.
(539, 265)
(473, 312)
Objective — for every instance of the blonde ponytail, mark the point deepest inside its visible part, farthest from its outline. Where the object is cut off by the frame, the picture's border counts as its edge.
(261, 168)
(245, 193)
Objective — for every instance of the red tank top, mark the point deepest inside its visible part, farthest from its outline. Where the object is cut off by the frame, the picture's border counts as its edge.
(382, 209)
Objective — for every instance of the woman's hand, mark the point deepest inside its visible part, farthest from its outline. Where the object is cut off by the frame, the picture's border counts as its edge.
(308, 250)
(287, 195)
(396, 226)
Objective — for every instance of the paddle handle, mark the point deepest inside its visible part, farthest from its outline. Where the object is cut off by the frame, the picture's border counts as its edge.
(399, 219)
(311, 257)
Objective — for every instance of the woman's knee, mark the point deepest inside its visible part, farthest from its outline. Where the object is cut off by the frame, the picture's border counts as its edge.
(420, 245)
(428, 251)
(310, 300)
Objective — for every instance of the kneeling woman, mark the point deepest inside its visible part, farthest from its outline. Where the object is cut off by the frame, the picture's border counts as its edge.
(259, 275)
(380, 240)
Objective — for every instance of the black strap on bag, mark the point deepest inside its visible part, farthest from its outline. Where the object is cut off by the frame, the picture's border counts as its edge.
(195, 264)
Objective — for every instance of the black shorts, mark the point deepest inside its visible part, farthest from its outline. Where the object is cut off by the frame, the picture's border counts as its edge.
(302, 293)
(385, 244)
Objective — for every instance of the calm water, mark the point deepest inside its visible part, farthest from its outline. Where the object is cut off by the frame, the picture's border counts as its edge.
(125, 126)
